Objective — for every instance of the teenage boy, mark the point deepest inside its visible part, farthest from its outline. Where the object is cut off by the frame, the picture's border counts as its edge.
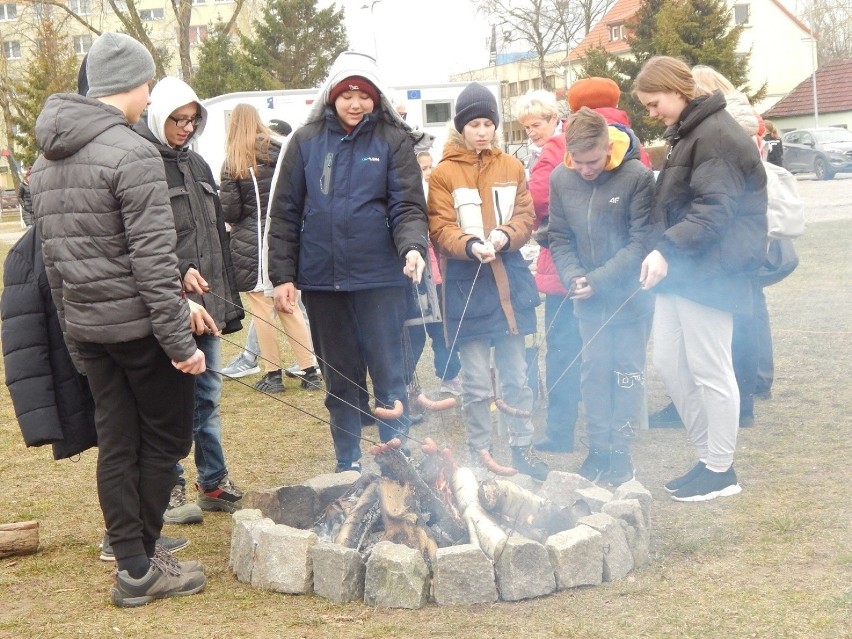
(102, 208)
(480, 215)
(601, 228)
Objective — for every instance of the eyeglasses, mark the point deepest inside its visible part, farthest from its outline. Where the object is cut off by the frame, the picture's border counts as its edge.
(183, 122)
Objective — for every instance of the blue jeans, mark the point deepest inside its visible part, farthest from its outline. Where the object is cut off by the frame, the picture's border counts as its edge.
(511, 365)
(206, 423)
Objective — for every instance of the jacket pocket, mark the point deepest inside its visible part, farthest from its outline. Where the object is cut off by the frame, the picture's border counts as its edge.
(208, 197)
(523, 291)
(504, 202)
(478, 295)
(179, 200)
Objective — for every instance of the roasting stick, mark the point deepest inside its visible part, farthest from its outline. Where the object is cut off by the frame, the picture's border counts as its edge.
(422, 399)
(385, 414)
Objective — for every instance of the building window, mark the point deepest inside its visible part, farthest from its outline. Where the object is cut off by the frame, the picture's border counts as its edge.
(616, 32)
(194, 2)
(43, 10)
(197, 34)
(8, 12)
(438, 112)
(120, 5)
(741, 13)
(12, 50)
(82, 44)
(80, 7)
(149, 15)
(523, 87)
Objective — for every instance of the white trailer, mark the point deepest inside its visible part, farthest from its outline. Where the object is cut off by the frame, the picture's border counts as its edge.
(428, 108)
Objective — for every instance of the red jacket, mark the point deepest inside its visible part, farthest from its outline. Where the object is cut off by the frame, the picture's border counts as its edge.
(552, 155)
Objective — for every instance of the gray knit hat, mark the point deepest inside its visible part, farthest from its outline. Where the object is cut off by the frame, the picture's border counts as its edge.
(117, 63)
(475, 101)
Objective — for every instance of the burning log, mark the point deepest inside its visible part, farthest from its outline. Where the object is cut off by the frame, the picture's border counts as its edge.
(402, 523)
(522, 511)
(483, 531)
(449, 529)
(359, 522)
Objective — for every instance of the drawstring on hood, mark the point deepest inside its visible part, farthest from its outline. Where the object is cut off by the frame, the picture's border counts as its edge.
(170, 94)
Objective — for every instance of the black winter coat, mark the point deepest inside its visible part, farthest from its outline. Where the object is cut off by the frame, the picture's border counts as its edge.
(239, 206)
(25, 199)
(711, 198)
(52, 400)
(202, 241)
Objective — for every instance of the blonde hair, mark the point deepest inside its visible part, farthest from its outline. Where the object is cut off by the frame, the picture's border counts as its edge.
(243, 149)
(537, 104)
(707, 80)
(664, 74)
(771, 129)
(586, 130)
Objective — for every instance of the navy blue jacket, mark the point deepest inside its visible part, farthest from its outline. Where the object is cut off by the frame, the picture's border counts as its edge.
(346, 207)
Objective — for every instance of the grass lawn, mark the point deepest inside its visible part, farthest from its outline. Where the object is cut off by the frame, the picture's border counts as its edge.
(773, 562)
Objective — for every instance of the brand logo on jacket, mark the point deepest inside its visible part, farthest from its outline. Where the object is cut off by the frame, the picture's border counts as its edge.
(614, 200)
(371, 158)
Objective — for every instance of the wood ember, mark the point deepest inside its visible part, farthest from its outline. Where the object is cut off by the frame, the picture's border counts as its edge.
(522, 511)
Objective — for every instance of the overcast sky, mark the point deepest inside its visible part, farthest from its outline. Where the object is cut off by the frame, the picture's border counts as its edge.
(418, 41)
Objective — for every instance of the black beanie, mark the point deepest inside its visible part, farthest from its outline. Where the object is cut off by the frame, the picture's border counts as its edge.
(475, 101)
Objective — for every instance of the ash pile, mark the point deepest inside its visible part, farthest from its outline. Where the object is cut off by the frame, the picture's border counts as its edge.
(434, 531)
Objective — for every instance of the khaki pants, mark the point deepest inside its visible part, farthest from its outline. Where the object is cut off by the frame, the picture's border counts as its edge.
(295, 328)
(692, 354)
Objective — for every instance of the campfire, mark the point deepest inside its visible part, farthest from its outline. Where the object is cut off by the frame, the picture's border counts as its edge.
(434, 530)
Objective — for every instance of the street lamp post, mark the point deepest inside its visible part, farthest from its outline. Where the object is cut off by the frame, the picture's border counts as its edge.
(371, 6)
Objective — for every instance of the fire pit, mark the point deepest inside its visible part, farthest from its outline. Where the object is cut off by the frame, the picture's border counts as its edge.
(436, 531)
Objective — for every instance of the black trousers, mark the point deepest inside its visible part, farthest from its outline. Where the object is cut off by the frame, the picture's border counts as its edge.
(143, 415)
(350, 330)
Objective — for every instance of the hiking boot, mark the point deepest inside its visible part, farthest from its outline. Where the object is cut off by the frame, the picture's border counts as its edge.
(186, 567)
(165, 578)
(226, 496)
(241, 366)
(595, 464)
(172, 544)
(527, 462)
(683, 480)
(452, 386)
(667, 417)
(709, 485)
(310, 377)
(620, 468)
(181, 511)
(343, 467)
(270, 383)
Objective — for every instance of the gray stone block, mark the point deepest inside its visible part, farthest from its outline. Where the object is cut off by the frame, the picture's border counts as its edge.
(577, 557)
(617, 558)
(330, 487)
(638, 537)
(559, 487)
(396, 577)
(244, 536)
(283, 561)
(594, 496)
(634, 490)
(338, 572)
(523, 570)
(463, 575)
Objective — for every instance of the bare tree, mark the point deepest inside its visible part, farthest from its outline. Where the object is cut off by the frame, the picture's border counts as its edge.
(127, 13)
(545, 26)
(831, 20)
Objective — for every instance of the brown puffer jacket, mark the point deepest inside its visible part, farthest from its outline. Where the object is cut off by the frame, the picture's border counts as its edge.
(102, 207)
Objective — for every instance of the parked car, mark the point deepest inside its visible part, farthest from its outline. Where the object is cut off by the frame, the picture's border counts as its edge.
(9, 199)
(823, 151)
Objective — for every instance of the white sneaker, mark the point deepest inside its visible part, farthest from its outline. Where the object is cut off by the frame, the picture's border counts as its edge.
(241, 366)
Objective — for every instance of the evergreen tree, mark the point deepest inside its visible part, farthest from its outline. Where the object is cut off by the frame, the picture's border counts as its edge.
(223, 68)
(295, 44)
(53, 69)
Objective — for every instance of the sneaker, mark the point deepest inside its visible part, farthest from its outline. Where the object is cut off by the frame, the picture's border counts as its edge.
(181, 511)
(667, 417)
(452, 386)
(683, 480)
(595, 464)
(620, 468)
(226, 496)
(241, 366)
(311, 377)
(165, 578)
(171, 544)
(270, 383)
(709, 485)
(343, 467)
(548, 445)
(186, 567)
(527, 462)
